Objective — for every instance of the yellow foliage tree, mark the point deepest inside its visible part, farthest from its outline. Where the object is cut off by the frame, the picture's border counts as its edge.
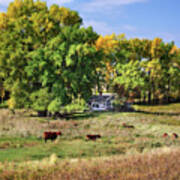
(156, 50)
(108, 44)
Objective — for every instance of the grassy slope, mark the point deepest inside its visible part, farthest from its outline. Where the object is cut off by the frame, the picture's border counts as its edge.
(21, 140)
(20, 134)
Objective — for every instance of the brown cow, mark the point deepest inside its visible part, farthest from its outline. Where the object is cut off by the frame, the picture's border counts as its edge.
(128, 126)
(93, 136)
(175, 136)
(75, 124)
(51, 135)
(165, 135)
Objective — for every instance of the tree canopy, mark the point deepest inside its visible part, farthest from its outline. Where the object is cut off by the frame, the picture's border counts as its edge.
(65, 67)
(49, 62)
(45, 53)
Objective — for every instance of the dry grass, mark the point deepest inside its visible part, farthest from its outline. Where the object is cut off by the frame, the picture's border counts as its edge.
(23, 125)
(130, 153)
(162, 164)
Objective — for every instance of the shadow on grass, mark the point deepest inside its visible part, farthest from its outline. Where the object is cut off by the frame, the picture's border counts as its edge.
(75, 116)
(72, 116)
(81, 116)
(3, 106)
(158, 113)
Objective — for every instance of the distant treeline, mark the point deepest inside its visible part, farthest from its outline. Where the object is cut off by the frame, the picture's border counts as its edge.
(147, 70)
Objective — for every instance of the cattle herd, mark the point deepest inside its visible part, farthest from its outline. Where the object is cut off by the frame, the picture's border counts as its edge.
(174, 135)
(49, 135)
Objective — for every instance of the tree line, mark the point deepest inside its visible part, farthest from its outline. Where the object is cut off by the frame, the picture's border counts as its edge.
(49, 62)
(147, 70)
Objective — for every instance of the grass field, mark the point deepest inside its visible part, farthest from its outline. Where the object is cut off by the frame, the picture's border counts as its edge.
(132, 151)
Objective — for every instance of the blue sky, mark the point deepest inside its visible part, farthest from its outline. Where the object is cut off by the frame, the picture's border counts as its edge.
(135, 18)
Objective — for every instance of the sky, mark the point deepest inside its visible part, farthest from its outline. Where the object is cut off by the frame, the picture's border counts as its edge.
(134, 18)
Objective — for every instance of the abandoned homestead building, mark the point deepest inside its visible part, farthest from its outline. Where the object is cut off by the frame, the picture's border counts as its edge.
(102, 102)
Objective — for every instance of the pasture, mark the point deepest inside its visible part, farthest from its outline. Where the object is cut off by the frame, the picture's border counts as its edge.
(133, 150)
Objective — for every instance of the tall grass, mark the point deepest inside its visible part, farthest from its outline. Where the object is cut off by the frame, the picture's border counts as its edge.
(162, 164)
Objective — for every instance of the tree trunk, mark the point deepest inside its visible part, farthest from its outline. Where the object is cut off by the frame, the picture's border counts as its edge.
(168, 90)
(149, 96)
(144, 98)
(149, 91)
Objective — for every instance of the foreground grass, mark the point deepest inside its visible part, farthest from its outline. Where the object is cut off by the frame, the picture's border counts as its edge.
(160, 164)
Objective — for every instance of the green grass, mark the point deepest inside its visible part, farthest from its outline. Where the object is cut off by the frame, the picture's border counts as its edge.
(167, 109)
(3, 105)
(64, 149)
(121, 152)
(21, 135)
(80, 148)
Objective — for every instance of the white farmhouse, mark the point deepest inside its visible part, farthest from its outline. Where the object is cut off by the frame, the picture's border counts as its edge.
(101, 102)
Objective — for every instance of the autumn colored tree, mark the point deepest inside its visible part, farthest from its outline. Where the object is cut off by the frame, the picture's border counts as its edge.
(163, 58)
(158, 64)
(49, 62)
(109, 44)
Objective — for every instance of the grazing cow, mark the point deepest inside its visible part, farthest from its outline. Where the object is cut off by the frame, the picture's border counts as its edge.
(175, 136)
(128, 126)
(51, 135)
(93, 137)
(165, 135)
(75, 124)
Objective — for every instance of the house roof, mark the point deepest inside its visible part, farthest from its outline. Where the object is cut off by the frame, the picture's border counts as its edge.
(101, 98)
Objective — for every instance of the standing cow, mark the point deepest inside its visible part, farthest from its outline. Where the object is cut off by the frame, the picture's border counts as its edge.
(51, 135)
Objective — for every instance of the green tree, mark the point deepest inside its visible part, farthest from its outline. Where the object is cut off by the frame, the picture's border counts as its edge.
(27, 26)
(66, 66)
(161, 69)
(130, 79)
